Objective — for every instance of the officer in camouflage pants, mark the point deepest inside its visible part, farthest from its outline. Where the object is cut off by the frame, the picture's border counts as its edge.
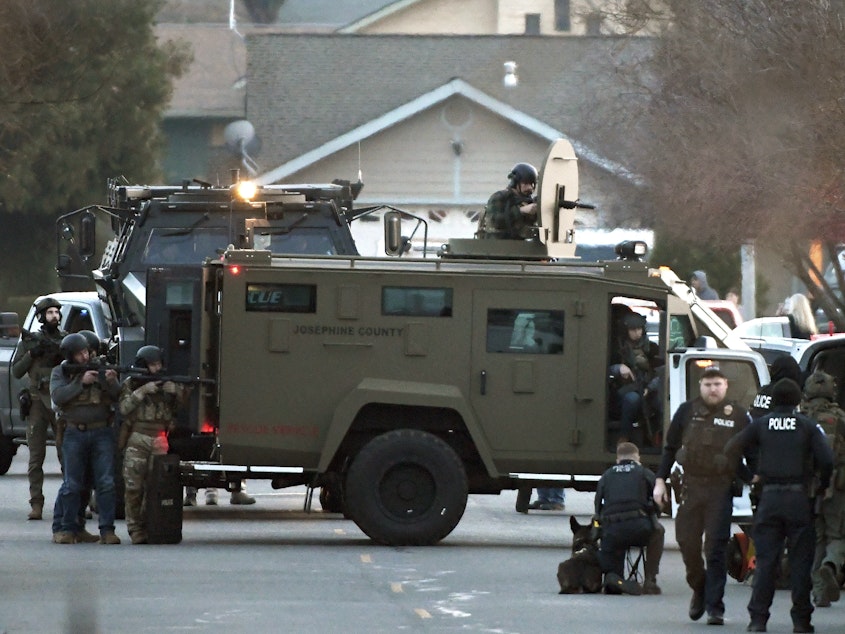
(148, 407)
(820, 404)
(37, 356)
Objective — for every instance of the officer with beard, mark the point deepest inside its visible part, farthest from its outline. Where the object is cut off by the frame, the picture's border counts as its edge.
(791, 447)
(695, 438)
(36, 356)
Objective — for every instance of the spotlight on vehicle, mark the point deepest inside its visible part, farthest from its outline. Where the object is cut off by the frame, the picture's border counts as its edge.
(246, 190)
(632, 250)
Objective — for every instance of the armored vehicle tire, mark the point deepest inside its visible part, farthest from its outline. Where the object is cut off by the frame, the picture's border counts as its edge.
(406, 488)
(331, 498)
(8, 449)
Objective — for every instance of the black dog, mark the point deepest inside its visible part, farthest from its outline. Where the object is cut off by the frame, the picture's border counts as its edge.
(581, 572)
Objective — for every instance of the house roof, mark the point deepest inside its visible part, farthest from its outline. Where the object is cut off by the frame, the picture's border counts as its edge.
(423, 102)
(331, 14)
(213, 85)
(309, 93)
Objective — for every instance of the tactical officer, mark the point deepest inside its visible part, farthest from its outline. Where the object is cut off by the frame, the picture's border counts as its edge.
(36, 356)
(634, 365)
(790, 447)
(149, 406)
(83, 399)
(820, 404)
(510, 213)
(628, 517)
(784, 367)
(695, 438)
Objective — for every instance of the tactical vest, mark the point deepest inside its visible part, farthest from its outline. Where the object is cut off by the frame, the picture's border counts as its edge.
(831, 417)
(625, 491)
(705, 436)
(634, 354)
(41, 368)
(155, 412)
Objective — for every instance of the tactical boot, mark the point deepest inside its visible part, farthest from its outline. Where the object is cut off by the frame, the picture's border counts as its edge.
(625, 586)
(650, 587)
(715, 618)
(756, 627)
(36, 512)
(831, 586)
(190, 497)
(696, 606)
(84, 537)
(64, 537)
(109, 538)
(241, 497)
(211, 497)
(139, 538)
(803, 627)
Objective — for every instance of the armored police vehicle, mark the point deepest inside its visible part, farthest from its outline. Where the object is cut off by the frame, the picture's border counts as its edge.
(399, 387)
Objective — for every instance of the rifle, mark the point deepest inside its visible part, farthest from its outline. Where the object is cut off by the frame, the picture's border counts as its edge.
(142, 379)
(100, 368)
(40, 346)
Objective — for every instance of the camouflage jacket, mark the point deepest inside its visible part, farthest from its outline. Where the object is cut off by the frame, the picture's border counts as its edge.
(502, 218)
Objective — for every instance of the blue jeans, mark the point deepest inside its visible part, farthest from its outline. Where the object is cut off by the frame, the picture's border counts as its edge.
(81, 449)
(552, 496)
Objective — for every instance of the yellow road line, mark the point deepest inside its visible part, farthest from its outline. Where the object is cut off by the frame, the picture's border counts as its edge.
(423, 614)
(339, 531)
(396, 587)
(366, 559)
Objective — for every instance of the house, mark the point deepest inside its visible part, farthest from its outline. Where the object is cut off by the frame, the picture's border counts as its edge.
(430, 121)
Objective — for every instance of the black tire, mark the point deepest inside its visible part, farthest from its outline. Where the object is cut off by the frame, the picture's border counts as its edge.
(8, 449)
(406, 488)
(331, 498)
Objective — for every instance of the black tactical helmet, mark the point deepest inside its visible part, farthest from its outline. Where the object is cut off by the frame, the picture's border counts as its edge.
(43, 304)
(72, 344)
(634, 320)
(92, 339)
(523, 173)
(820, 384)
(148, 354)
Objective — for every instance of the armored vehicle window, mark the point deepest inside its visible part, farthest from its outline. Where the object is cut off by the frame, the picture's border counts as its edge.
(281, 298)
(680, 332)
(525, 331)
(742, 379)
(183, 246)
(416, 302)
(307, 241)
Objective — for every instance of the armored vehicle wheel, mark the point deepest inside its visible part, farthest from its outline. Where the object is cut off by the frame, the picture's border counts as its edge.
(8, 449)
(406, 488)
(331, 498)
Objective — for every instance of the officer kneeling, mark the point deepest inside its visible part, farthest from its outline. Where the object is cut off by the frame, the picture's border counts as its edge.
(628, 518)
(790, 448)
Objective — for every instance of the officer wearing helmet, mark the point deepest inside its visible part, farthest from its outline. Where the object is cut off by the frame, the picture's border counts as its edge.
(149, 405)
(36, 356)
(820, 404)
(82, 536)
(83, 399)
(511, 213)
(634, 367)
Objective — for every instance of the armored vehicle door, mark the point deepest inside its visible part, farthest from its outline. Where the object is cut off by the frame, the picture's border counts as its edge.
(524, 374)
(173, 324)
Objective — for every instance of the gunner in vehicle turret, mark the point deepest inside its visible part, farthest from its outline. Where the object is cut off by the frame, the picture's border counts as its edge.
(511, 213)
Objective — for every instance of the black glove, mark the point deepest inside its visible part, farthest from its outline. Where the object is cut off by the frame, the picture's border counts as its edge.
(37, 351)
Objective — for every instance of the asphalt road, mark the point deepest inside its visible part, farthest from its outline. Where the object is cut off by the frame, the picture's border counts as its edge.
(272, 568)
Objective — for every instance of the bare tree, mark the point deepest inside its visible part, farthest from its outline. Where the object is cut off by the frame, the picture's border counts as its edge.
(742, 133)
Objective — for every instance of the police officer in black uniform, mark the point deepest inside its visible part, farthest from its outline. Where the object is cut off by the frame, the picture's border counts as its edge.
(695, 438)
(628, 518)
(791, 448)
(784, 367)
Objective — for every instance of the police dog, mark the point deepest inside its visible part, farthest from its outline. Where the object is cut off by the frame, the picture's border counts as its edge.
(581, 572)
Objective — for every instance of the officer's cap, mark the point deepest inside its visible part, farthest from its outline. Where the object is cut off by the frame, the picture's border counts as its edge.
(711, 371)
(786, 392)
